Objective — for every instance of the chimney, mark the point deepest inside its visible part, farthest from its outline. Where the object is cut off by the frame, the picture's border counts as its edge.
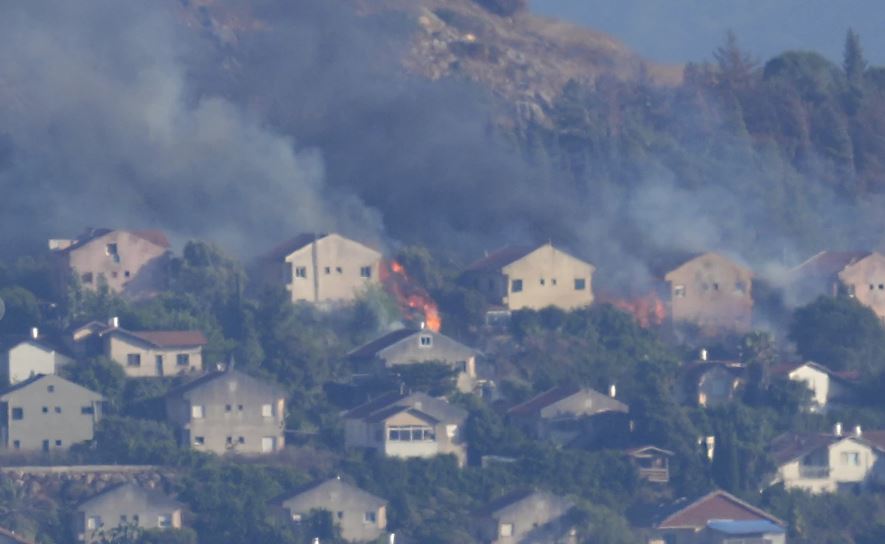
(392, 538)
(613, 391)
(858, 432)
(837, 429)
(114, 322)
(35, 333)
(703, 354)
(423, 324)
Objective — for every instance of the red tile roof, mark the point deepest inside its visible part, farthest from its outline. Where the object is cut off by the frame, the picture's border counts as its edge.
(155, 236)
(789, 446)
(829, 263)
(163, 339)
(717, 505)
(292, 245)
(500, 258)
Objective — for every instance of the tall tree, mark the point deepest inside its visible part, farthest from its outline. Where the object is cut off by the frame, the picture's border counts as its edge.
(853, 62)
(735, 65)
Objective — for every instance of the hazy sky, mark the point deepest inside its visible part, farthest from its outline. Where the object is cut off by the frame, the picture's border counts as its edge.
(684, 30)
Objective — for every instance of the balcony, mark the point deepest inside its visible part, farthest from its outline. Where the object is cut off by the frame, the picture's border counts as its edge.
(812, 472)
(657, 475)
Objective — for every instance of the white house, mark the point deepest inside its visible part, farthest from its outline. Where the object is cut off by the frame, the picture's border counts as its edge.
(826, 386)
(826, 463)
(22, 357)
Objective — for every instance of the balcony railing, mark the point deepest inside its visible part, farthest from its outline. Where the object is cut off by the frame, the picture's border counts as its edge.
(814, 472)
(655, 474)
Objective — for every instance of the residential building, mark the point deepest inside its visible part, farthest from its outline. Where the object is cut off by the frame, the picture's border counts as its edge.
(562, 414)
(652, 462)
(703, 521)
(25, 356)
(858, 274)
(827, 387)
(828, 462)
(527, 517)
(322, 268)
(414, 346)
(517, 277)
(10, 537)
(361, 516)
(709, 383)
(125, 505)
(710, 292)
(407, 425)
(228, 412)
(47, 413)
(154, 354)
(129, 262)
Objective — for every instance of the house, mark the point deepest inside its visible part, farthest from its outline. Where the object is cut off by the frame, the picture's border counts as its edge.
(153, 354)
(407, 425)
(517, 277)
(561, 414)
(9, 537)
(858, 274)
(130, 262)
(709, 383)
(827, 387)
(412, 346)
(125, 505)
(227, 411)
(361, 516)
(702, 521)
(828, 462)
(527, 517)
(25, 356)
(711, 292)
(46, 413)
(653, 463)
(322, 268)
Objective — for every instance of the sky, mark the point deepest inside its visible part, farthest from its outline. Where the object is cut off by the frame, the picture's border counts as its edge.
(678, 31)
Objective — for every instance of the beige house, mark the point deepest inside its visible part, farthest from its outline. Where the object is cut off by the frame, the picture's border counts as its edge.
(124, 505)
(711, 292)
(827, 463)
(322, 268)
(514, 278)
(858, 274)
(154, 354)
(527, 517)
(132, 263)
(414, 425)
(827, 387)
(23, 357)
(361, 516)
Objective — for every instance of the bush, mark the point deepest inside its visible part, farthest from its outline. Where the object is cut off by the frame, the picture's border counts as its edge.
(503, 7)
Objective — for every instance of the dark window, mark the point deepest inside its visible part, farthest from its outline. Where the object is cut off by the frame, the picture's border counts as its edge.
(87, 410)
(58, 409)
(111, 250)
(135, 519)
(50, 388)
(16, 444)
(425, 340)
(46, 409)
(86, 278)
(241, 440)
(230, 441)
(516, 286)
(300, 271)
(327, 270)
(338, 269)
(133, 359)
(126, 274)
(228, 407)
(366, 271)
(553, 281)
(239, 407)
(199, 440)
(18, 413)
(580, 284)
(114, 274)
(58, 443)
(182, 359)
(542, 281)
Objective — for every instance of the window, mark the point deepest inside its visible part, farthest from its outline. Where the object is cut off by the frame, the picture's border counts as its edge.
(851, 291)
(542, 281)
(135, 519)
(58, 443)
(266, 410)
(425, 341)
(881, 286)
(239, 407)
(327, 270)
(580, 284)
(338, 269)
(16, 444)
(872, 287)
(410, 434)
(678, 291)
(50, 388)
(86, 277)
(340, 515)
(196, 411)
(199, 441)
(126, 274)
(553, 281)
(229, 441)
(366, 271)
(300, 271)
(123, 519)
(94, 522)
(133, 359)
(46, 409)
(228, 408)
(110, 250)
(164, 520)
(516, 286)
(851, 458)
(18, 413)
(296, 517)
(715, 286)
(241, 440)
(114, 274)
(58, 409)
(370, 517)
(182, 359)
(87, 410)
(505, 529)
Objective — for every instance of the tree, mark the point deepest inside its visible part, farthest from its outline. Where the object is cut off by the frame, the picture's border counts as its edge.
(503, 7)
(134, 441)
(22, 310)
(101, 375)
(840, 333)
(853, 61)
(735, 65)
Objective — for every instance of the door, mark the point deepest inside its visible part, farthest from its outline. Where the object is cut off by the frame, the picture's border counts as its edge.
(46, 445)
(159, 365)
(268, 444)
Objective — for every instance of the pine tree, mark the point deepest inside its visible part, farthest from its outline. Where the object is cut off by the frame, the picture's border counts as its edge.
(854, 63)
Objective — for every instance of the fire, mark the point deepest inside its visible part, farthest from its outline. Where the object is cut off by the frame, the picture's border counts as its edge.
(648, 310)
(411, 297)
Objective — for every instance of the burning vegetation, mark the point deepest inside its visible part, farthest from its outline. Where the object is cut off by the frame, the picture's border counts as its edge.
(414, 301)
(648, 310)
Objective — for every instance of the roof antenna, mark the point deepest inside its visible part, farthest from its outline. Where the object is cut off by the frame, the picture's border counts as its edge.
(231, 362)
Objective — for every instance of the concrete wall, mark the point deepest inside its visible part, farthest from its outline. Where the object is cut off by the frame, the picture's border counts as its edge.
(332, 270)
(51, 420)
(118, 346)
(140, 269)
(441, 349)
(348, 510)
(713, 293)
(26, 360)
(866, 278)
(548, 278)
(123, 501)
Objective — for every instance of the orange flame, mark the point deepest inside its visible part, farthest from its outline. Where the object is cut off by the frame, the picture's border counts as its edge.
(411, 297)
(648, 310)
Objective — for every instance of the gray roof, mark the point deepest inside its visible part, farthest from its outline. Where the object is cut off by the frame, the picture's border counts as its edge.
(514, 502)
(50, 379)
(224, 375)
(438, 409)
(128, 493)
(332, 489)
